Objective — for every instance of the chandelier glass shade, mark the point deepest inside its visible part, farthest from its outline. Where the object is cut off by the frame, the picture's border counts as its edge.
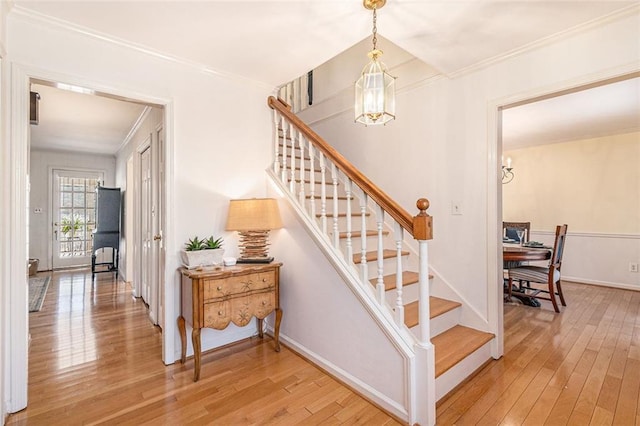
(375, 98)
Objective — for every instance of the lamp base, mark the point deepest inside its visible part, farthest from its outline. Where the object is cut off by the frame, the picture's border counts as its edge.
(255, 260)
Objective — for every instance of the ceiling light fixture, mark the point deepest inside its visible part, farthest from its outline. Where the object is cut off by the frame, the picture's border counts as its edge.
(375, 89)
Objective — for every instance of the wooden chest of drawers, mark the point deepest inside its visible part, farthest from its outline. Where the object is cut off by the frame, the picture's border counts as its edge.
(213, 297)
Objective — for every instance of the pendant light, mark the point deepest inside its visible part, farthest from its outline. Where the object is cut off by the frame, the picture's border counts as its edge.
(375, 89)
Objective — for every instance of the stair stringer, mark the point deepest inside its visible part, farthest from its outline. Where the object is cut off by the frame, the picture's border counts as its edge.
(419, 381)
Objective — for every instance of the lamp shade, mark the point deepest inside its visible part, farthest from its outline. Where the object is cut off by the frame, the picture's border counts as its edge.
(253, 214)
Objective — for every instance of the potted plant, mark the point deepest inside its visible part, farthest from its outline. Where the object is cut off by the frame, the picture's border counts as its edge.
(202, 252)
(70, 226)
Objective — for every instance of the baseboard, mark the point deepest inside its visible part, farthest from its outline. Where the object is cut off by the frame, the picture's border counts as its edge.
(578, 280)
(389, 406)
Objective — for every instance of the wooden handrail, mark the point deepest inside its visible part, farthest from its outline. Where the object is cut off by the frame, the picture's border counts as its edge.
(399, 214)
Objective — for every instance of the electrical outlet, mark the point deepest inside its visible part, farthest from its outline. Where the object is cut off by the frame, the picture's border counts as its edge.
(37, 210)
(633, 267)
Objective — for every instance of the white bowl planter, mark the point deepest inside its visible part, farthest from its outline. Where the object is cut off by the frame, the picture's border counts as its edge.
(207, 257)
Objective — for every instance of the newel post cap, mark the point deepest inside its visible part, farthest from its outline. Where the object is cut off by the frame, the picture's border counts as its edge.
(422, 222)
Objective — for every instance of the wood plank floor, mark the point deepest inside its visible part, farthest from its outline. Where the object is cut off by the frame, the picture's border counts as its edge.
(579, 367)
(94, 358)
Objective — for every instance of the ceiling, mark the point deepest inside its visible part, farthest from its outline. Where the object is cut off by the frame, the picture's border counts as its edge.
(253, 39)
(72, 121)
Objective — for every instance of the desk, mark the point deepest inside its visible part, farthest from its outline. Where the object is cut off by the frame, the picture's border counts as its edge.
(513, 254)
(215, 296)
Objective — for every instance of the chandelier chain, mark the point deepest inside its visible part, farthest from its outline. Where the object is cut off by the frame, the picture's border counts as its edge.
(375, 29)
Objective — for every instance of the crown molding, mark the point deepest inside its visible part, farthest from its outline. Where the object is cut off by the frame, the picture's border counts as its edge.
(136, 126)
(554, 38)
(34, 17)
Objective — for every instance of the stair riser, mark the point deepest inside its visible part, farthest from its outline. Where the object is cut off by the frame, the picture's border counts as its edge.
(444, 322)
(372, 244)
(454, 376)
(389, 266)
(410, 293)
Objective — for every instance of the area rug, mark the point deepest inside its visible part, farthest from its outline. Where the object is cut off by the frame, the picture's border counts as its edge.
(37, 291)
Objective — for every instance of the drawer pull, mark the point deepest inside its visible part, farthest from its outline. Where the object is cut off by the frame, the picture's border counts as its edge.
(219, 288)
(264, 302)
(220, 312)
(264, 280)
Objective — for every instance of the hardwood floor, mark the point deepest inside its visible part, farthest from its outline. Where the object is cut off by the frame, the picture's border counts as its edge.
(579, 367)
(95, 358)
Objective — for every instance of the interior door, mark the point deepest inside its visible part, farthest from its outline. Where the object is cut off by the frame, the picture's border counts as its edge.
(145, 224)
(73, 216)
(159, 246)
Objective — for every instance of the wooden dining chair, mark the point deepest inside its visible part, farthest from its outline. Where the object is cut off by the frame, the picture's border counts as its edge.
(526, 275)
(509, 230)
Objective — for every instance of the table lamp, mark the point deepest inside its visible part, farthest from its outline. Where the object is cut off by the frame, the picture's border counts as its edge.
(253, 219)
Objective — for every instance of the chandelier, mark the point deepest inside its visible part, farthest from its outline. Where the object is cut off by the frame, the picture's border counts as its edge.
(507, 172)
(375, 89)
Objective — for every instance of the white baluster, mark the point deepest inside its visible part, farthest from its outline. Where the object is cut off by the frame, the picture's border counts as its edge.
(399, 308)
(302, 171)
(380, 288)
(276, 143)
(312, 184)
(363, 238)
(423, 290)
(283, 175)
(334, 180)
(323, 194)
(292, 170)
(347, 188)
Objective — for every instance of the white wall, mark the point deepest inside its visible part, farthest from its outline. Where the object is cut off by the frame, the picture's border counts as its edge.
(4, 185)
(41, 164)
(440, 145)
(592, 185)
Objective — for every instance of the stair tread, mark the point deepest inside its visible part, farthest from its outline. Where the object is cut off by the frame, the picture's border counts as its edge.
(437, 307)
(408, 278)
(357, 234)
(341, 215)
(373, 255)
(328, 197)
(455, 344)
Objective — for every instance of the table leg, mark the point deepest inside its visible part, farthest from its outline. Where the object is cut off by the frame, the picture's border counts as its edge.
(195, 338)
(276, 329)
(183, 338)
(260, 324)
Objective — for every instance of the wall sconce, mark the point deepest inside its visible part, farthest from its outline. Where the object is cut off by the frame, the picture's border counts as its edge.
(253, 218)
(375, 89)
(507, 172)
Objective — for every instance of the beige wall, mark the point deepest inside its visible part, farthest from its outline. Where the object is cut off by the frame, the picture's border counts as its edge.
(592, 185)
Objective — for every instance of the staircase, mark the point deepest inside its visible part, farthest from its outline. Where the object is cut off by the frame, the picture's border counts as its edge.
(365, 231)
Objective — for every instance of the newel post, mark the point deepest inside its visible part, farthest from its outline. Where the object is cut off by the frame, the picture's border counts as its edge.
(425, 396)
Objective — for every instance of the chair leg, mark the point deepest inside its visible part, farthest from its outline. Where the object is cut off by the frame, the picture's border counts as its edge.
(552, 296)
(559, 286)
(509, 286)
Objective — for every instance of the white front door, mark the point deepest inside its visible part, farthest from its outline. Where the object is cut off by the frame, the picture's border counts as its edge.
(74, 216)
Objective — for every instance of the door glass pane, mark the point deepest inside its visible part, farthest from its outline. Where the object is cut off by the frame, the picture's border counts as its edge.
(76, 216)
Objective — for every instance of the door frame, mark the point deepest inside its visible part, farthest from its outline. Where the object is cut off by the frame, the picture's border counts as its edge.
(495, 303)
(15, 222)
